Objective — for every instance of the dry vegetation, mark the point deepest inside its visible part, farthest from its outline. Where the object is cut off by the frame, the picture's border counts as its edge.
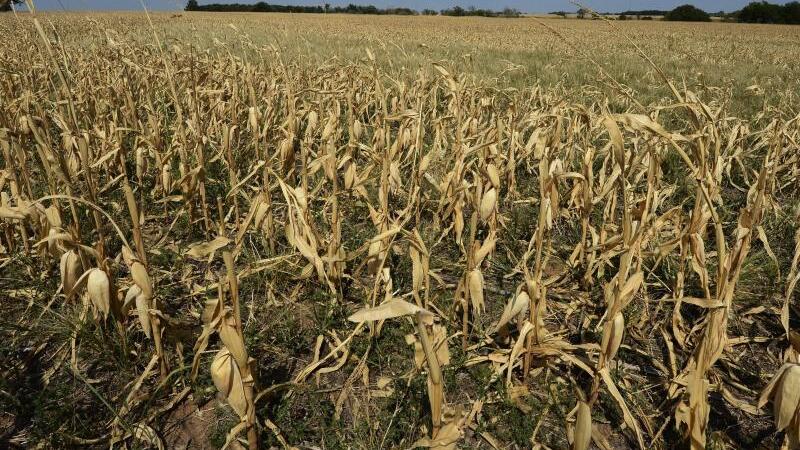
(541, 238)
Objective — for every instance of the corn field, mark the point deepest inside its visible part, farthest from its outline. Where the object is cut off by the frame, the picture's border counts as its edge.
(228, 246)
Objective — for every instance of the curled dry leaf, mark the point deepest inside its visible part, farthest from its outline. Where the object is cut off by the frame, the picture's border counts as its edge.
(143, 312)
(228, 380)
(98, 288)
(514, 308)
(475, 282)
(494, 175)
(388, 310)
(488, 203)
(784, 390)
(613, 333)
(207, 249)
(486, 247)
(440, 346)
(233, 342)
(583, 427)
(140, 277)
(8, 213)
(130, 299)
(70, 267)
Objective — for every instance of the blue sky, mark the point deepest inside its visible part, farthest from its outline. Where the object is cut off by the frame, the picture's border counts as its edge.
(522, 5)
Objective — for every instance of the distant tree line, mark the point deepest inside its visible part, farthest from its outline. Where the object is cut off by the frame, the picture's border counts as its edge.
(629, 13)
(755, 12)
(645, 12)
(472, 11)
(192, 5)
(763, 12)
(683, 13)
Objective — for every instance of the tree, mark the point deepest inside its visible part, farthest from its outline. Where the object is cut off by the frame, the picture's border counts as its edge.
(791, 13)
(688, 13)
(429, 12)
(5, 5)
(191, 6)
(583, 12)
(763, 12)
(760, 12)
(455, 11)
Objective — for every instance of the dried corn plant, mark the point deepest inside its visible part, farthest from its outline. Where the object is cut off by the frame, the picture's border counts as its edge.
(177, 205)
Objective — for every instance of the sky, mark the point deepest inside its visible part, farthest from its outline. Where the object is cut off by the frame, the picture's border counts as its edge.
(522, 5)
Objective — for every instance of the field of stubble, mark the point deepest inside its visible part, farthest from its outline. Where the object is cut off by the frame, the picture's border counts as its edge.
(330, 232)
